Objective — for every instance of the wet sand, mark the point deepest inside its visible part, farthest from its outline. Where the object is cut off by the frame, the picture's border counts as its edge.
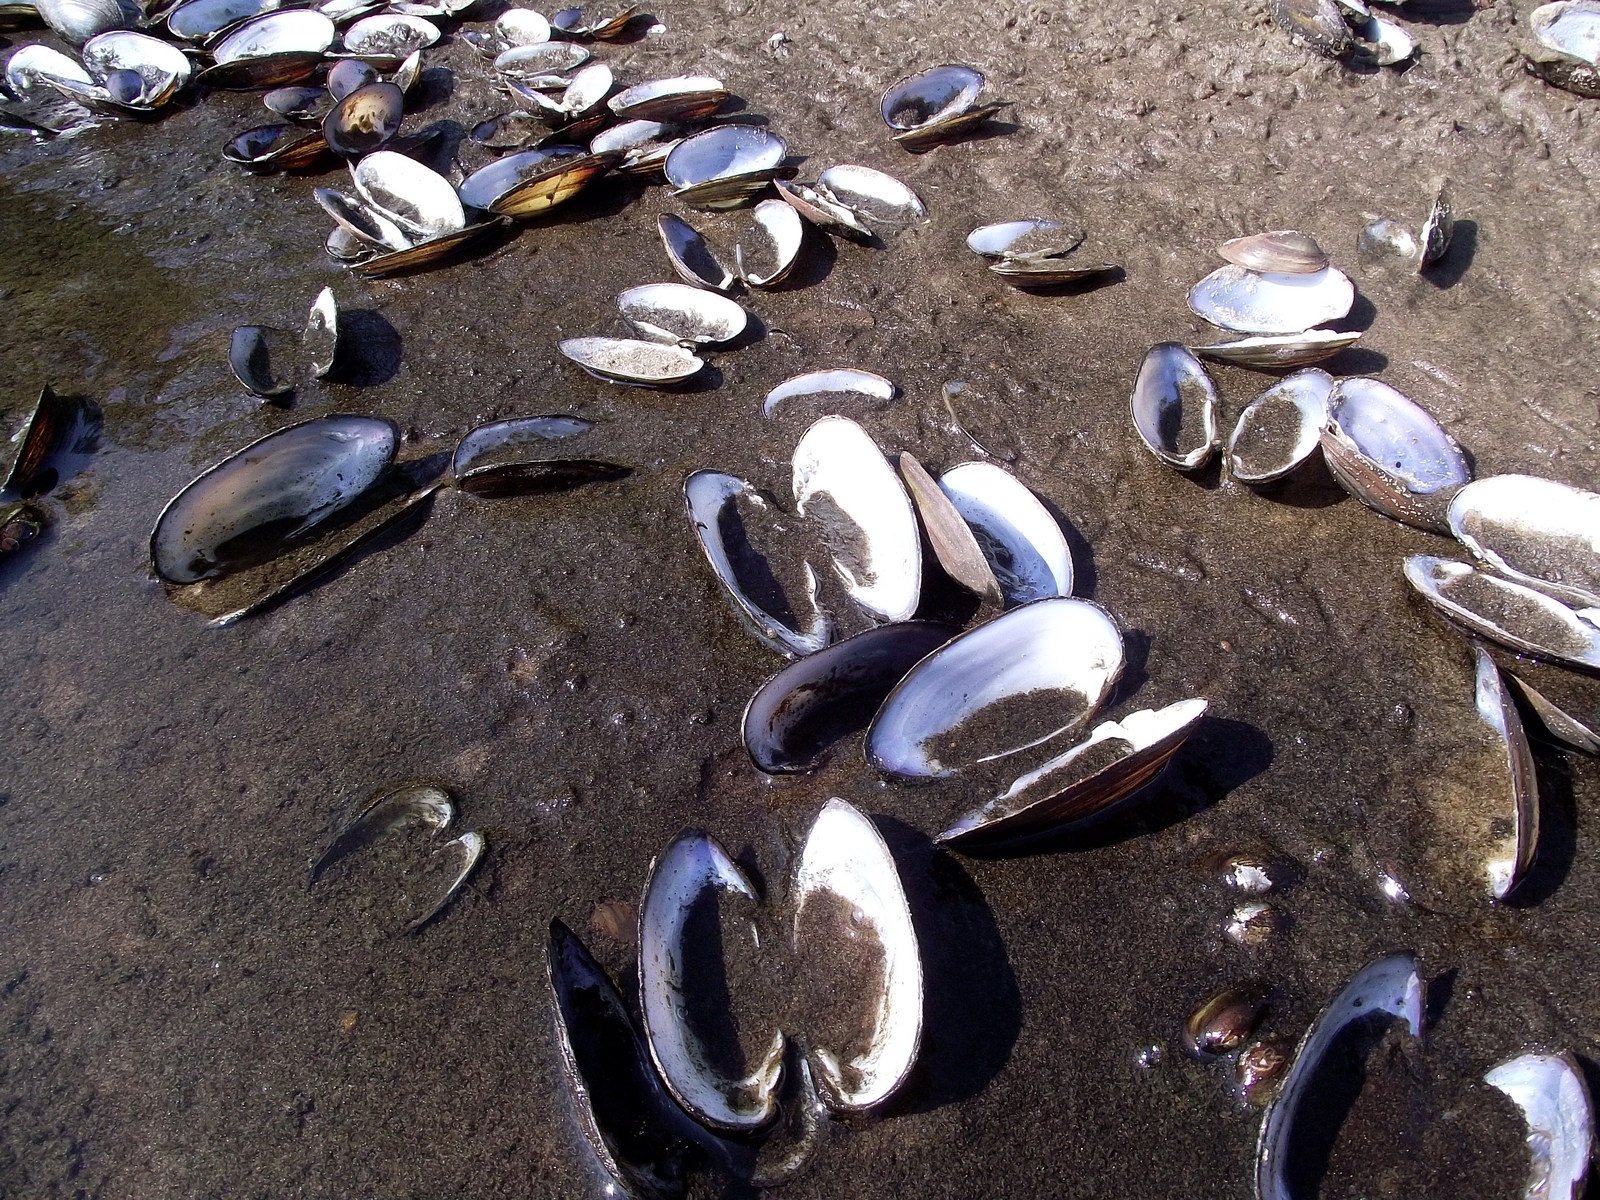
(185, 1019)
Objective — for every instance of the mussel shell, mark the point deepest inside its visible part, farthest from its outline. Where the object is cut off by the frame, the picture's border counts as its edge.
(552, 186)
(389, 37)
(60, 426)
(931, 96)
(1317, 23)
(368, 225)
(1273, 352)
(723, 152)
(293, 31)
(494, 441)
(279, 147)
(1391, 454)
(1553, 1095)
(676, 312)
(1246, 301)
(198, 20)
(627, 360)
(834, 386)
(1030, 237)
(925, 137)
(1286, 251)
(541, 59)
(779, 235)
(848, 491)
(1437, 228)
(1387, 237)
(250, 354)
(428, 252)
(522, 27)
(262, 70)
(1537, 531)
(1281, 428)
(879, 197)
(1022, 542)
(1513, 827)
(79, 20)
(348, 74)
(1027, 676)
(490, 182)
(1224, 1021)
(690, 255)
(319, 341)
(419, 200)
(1522, 618)
(1174, 407)
(823, 211)
(305, 104)
(33, 64)
(276, 490)
(161, 66)
(1569, 27)
(681, 98)
(799, 713)
(1049, 272)
(365, 119)
(949, 536)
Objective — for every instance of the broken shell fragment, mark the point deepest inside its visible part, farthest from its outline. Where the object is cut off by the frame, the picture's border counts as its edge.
(1224, 1021)
(1027, 676)
(1511, 614)
(951, 537)
(678, 314)
(273, 492)
(1283, 250)
(1391, 986)
(1437, 227)
(1245, 301)
(1118, 759)
(823, 211)
(713, 500)
(847, 490)
(799, 713)
(1537, 531)
(1278, 351)
(692, 876)
(1260, 1069)
(834, 386)
(848, 895)
(422, 804)
(1175, 407)
(1391, 454)
(1280, 428)
(627, 360)
(1554, 1099)
(1383, 42)
(19, 525)
(1023, 544)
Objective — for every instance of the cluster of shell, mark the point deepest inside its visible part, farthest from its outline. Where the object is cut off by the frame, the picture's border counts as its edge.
(1346, 29)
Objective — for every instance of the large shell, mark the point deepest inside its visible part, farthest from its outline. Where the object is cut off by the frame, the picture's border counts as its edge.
(691, 875)
(1516, 616)
(1175, 407)
(1391, 986)
(795, 716)
(1554, 1099)
(1280, 428)
(489, 183)
(627, 360)
(931, 97)
(364, 119)
(847, 490)
(32, 65)
(712, 498)
(872, 194)
(1246, 301)
(294, 31)
(1285, 250)
(849, 902)
(551, 185)
(79, 20)
(419, 200)
(1024, 545)
(1543, 533)
(273, 491)
(1115, 761)
(675, 312)
(1391, 454)
(161, 66)
(1027, 676)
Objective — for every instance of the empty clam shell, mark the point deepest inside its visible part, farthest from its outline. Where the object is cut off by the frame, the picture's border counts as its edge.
(365, 119)
(1281, 350)
(680, 98)
(320, 339)
(767, 254)
(847, 490)
(423, 804)
(197, 20)
(419, 200)
(291, 32)
(389, 37)
(267, 495)
(1022, 542)
(1554, 1099)
(1522, 618)
(31, 65)
(487, 443)
(459, 858)
(953, 542)
(1023, 678)
(1569, 26)
(1384, 42)
(1032, 237)
(1247, 301)
(625, 360)
(162, 68)
(1049, 272)
(1175, 407)
(849, 901)
(1114, 762)
(370, 226)
(713, 500)
(1540, 532)
(250, 353)
(308, 104)
(722, 153)
(1280, 428)
(822, 210)
(834, 386)
(1283, 250)
(930, 97)
(550, 184)
(1513, 830)
(879, 198)
(262, 70)
(690, 256)
(79, 20)
(799, 713)
(1391, 454)
(694, 872)
(522, 27)
(489, 183)
(60, 427)
(276, 147)
(427, 252)
(1390, 986)
(541, 59)
(675, 312)
(348, 74)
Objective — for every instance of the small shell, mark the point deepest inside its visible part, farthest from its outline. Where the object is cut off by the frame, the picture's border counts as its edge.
(1224, 1021)
(522, 27)
(1032, 237)
(949, 535)
(931, 97)
(1437, 228)
(677, 313)
(774, 244)
(348, 74)
(320, 339)
(1175, 407)
(1284, 250)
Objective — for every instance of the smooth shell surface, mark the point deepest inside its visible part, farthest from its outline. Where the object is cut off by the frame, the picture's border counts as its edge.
(880, 198)
(1554, 1099)
(1025, 238)
(1280, 350)
(630, 361)
(490, 182)
(676, 312)
(728, 150)
(833, 385)
(285, 484)
(1285, 250)
(1391, 454)
(296, 31)
(1280, 428)
(162, 66)
(1174, 407)
(1572, 29)
(846, 864)
(1509, 613)
(1247, 301)
(931, 96)
(419, 200)
(846, 488)
(1022, 542)
(1540, 532)
(689, 254)
(1515, 828)
(951, 538)
(365, 119)
(79, 20)
(1023, 678)
(772, 249)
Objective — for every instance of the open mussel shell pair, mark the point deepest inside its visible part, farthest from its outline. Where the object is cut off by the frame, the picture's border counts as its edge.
(672, 320)
(270, 51)
(765, 254)
(1566, 46)
(531, 183)
(1422, 247)
(1036, 252)
(681, 98)
(845, 894)
(257, 353)
(581, 23)
(935, 106)
(1272, 302)
(855, 201)
(511, 458)
(726, 166)
(123, 73)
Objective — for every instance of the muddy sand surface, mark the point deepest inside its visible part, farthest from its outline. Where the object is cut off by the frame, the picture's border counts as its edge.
(182, 1017)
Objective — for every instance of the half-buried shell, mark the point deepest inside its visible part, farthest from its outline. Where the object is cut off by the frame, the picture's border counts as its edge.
(1554, 1099)
(628, 360)
(509, 458)
(1391, 454)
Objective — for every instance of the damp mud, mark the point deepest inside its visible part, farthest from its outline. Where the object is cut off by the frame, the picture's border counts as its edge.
(182, 1018)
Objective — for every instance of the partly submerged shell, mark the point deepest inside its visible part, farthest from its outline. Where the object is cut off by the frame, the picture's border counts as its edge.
(628, 360)
(1175, 407)
(1390, 986)
(1024, 546)
(1021, 679)
(1511, 614)
(1540, 532)
(1116, 760)
(389, 809)
(1281, 428)
(1247, 301)
(1391, 454)
(799, 713)
(678, 313)
(270, 493)
(694, 872)
(1554, 1099)
(1283, 250)
(511, 458)
(60, 427)
(847, 490)
(849, 900)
